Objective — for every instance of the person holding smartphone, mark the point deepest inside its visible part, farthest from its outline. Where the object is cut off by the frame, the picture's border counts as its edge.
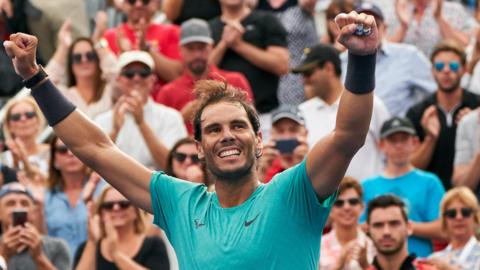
(23, 246)
(287, 146)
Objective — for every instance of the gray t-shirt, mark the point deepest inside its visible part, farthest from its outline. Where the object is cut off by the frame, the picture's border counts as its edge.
(55, 249)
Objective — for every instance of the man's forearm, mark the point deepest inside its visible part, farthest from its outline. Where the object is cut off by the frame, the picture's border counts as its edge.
(43, 263)
(429, 230)
(167, 69)
(422, 157)
(88, 258)
(399, 34)
(217, 53)
(448, 32)
(158, 151)
(273, 59)
(468, 175)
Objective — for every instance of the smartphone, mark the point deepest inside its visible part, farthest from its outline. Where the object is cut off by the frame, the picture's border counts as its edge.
(286, 146)
(19, 217)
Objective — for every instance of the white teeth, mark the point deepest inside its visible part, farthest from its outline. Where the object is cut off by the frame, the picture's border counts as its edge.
(229, 153)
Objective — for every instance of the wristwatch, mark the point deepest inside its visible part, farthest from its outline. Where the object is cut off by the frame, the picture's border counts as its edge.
(102, 44)
(40, 76)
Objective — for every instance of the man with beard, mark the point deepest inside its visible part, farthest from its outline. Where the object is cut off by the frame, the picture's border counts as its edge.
(195, 47)
(243, 224)
(388, 226)
(436, 117)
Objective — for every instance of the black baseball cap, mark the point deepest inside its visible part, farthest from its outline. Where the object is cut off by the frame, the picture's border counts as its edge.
(370, 9)
(397, 124)
(317, 55)
(287, 111)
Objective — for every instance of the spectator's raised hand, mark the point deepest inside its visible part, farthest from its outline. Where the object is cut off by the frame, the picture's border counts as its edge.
(232, 33)
(65, 34)
(111, 239)
(31, 238)
(91, 186)
(135, 104)
(356, 44)
(123, 43)
(437, 6)
(430, 122)
(461, 114)
(101, 25)
(402, 11)
(6, 7)
(119, 111)
(11, 244)
(22, 49)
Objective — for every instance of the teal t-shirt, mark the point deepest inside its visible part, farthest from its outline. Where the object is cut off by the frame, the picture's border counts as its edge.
(278, 227)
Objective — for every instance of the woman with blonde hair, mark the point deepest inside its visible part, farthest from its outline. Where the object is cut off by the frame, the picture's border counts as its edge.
(460, 218)
(117, 237)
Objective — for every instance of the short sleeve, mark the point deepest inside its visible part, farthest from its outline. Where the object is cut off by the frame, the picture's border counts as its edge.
(275, 33)
(464, 141)
(166, 192)
(171, 46)
(295, 189)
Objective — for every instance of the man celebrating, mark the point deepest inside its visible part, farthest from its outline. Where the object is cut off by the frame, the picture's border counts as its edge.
(238, 225)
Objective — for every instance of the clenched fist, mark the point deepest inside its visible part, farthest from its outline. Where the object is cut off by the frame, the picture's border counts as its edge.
(357, 44)
(22, 49)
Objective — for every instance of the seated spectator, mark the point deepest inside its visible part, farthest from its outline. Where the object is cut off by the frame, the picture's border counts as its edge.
(33, 250)
(116, 238)
(183, 163)
(83, 73)
(254, 43)
(460, 219)
(466, 170)
(342, 246)
(297, 18)
(334, 8)
(195, 47)
(65, 199)
(436, 117)
(421, 191)
(403, 74)
(425, 23)
(140, 127)
(321, 70)
(179, 11)
(287, 145)
(140, 33)
(389, 228)
(23, 122)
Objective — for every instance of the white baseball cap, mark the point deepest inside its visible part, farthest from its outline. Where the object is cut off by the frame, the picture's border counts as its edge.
(129, 57)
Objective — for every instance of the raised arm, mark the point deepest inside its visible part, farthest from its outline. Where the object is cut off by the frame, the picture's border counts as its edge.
(329, 158)
(81, 136)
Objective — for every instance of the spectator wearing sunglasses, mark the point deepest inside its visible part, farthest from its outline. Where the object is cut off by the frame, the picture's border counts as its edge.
(183, 163)
(85, 73)
(460, 219)
(346, 246)
(436, 117)
(143, 129)
(196, 45)
(161, 41)
(117, 239)
(421, 191)
(66, 195)
(22, 123)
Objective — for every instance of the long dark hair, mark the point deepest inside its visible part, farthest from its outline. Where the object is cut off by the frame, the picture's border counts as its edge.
(72, 81)
(169, 167)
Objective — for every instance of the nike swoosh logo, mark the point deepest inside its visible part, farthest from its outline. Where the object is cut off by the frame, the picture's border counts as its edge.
(249, 222)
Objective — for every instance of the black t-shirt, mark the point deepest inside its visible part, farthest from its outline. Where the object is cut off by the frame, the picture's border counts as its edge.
(152, 255)
(202, 9)
(262, 29)
(444, 153)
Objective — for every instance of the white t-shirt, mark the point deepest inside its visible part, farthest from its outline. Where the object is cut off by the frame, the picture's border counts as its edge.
(320, 121)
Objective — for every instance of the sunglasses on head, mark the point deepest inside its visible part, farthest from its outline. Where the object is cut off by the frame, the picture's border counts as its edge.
(454, 66)
(110, 205)
(464, 211)
(142, 72)
(133, 2)
(91, 56)
(18, 116)
(352, 201)
(62, 149)
(181, 157)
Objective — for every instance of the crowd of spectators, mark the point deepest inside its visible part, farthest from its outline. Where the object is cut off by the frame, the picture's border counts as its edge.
(410, 195)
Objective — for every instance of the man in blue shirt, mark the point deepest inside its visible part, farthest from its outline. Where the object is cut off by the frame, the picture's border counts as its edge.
(403, 75)
(243, 224)
(421, 191)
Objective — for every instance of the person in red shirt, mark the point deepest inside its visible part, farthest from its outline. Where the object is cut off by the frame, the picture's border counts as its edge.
(287, 146)
(195, 47)
(139, 33)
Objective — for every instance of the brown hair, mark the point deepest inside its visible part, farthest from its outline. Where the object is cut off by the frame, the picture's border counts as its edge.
(8, 109)
(449, 46)
(385, 201)
(169, 167)
(350, 183)
(212, 92)
(72, 81)
(139, 224)
(463, 194)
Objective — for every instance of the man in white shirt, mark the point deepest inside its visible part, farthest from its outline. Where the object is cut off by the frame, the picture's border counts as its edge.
(321, 70)
(140, 127)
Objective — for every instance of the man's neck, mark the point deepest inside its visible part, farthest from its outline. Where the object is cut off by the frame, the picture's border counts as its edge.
(448, 101)
(392, 262)
(395, 170)
(331, 96)
(234, 13)
(232, 193)
(197, 77)
(346, 234)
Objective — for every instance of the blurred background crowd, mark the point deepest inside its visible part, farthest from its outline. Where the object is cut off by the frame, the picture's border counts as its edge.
(131, 67)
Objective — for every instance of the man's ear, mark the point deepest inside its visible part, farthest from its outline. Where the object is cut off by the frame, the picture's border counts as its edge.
(409, 228)
(201, 153)
(259, 145)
